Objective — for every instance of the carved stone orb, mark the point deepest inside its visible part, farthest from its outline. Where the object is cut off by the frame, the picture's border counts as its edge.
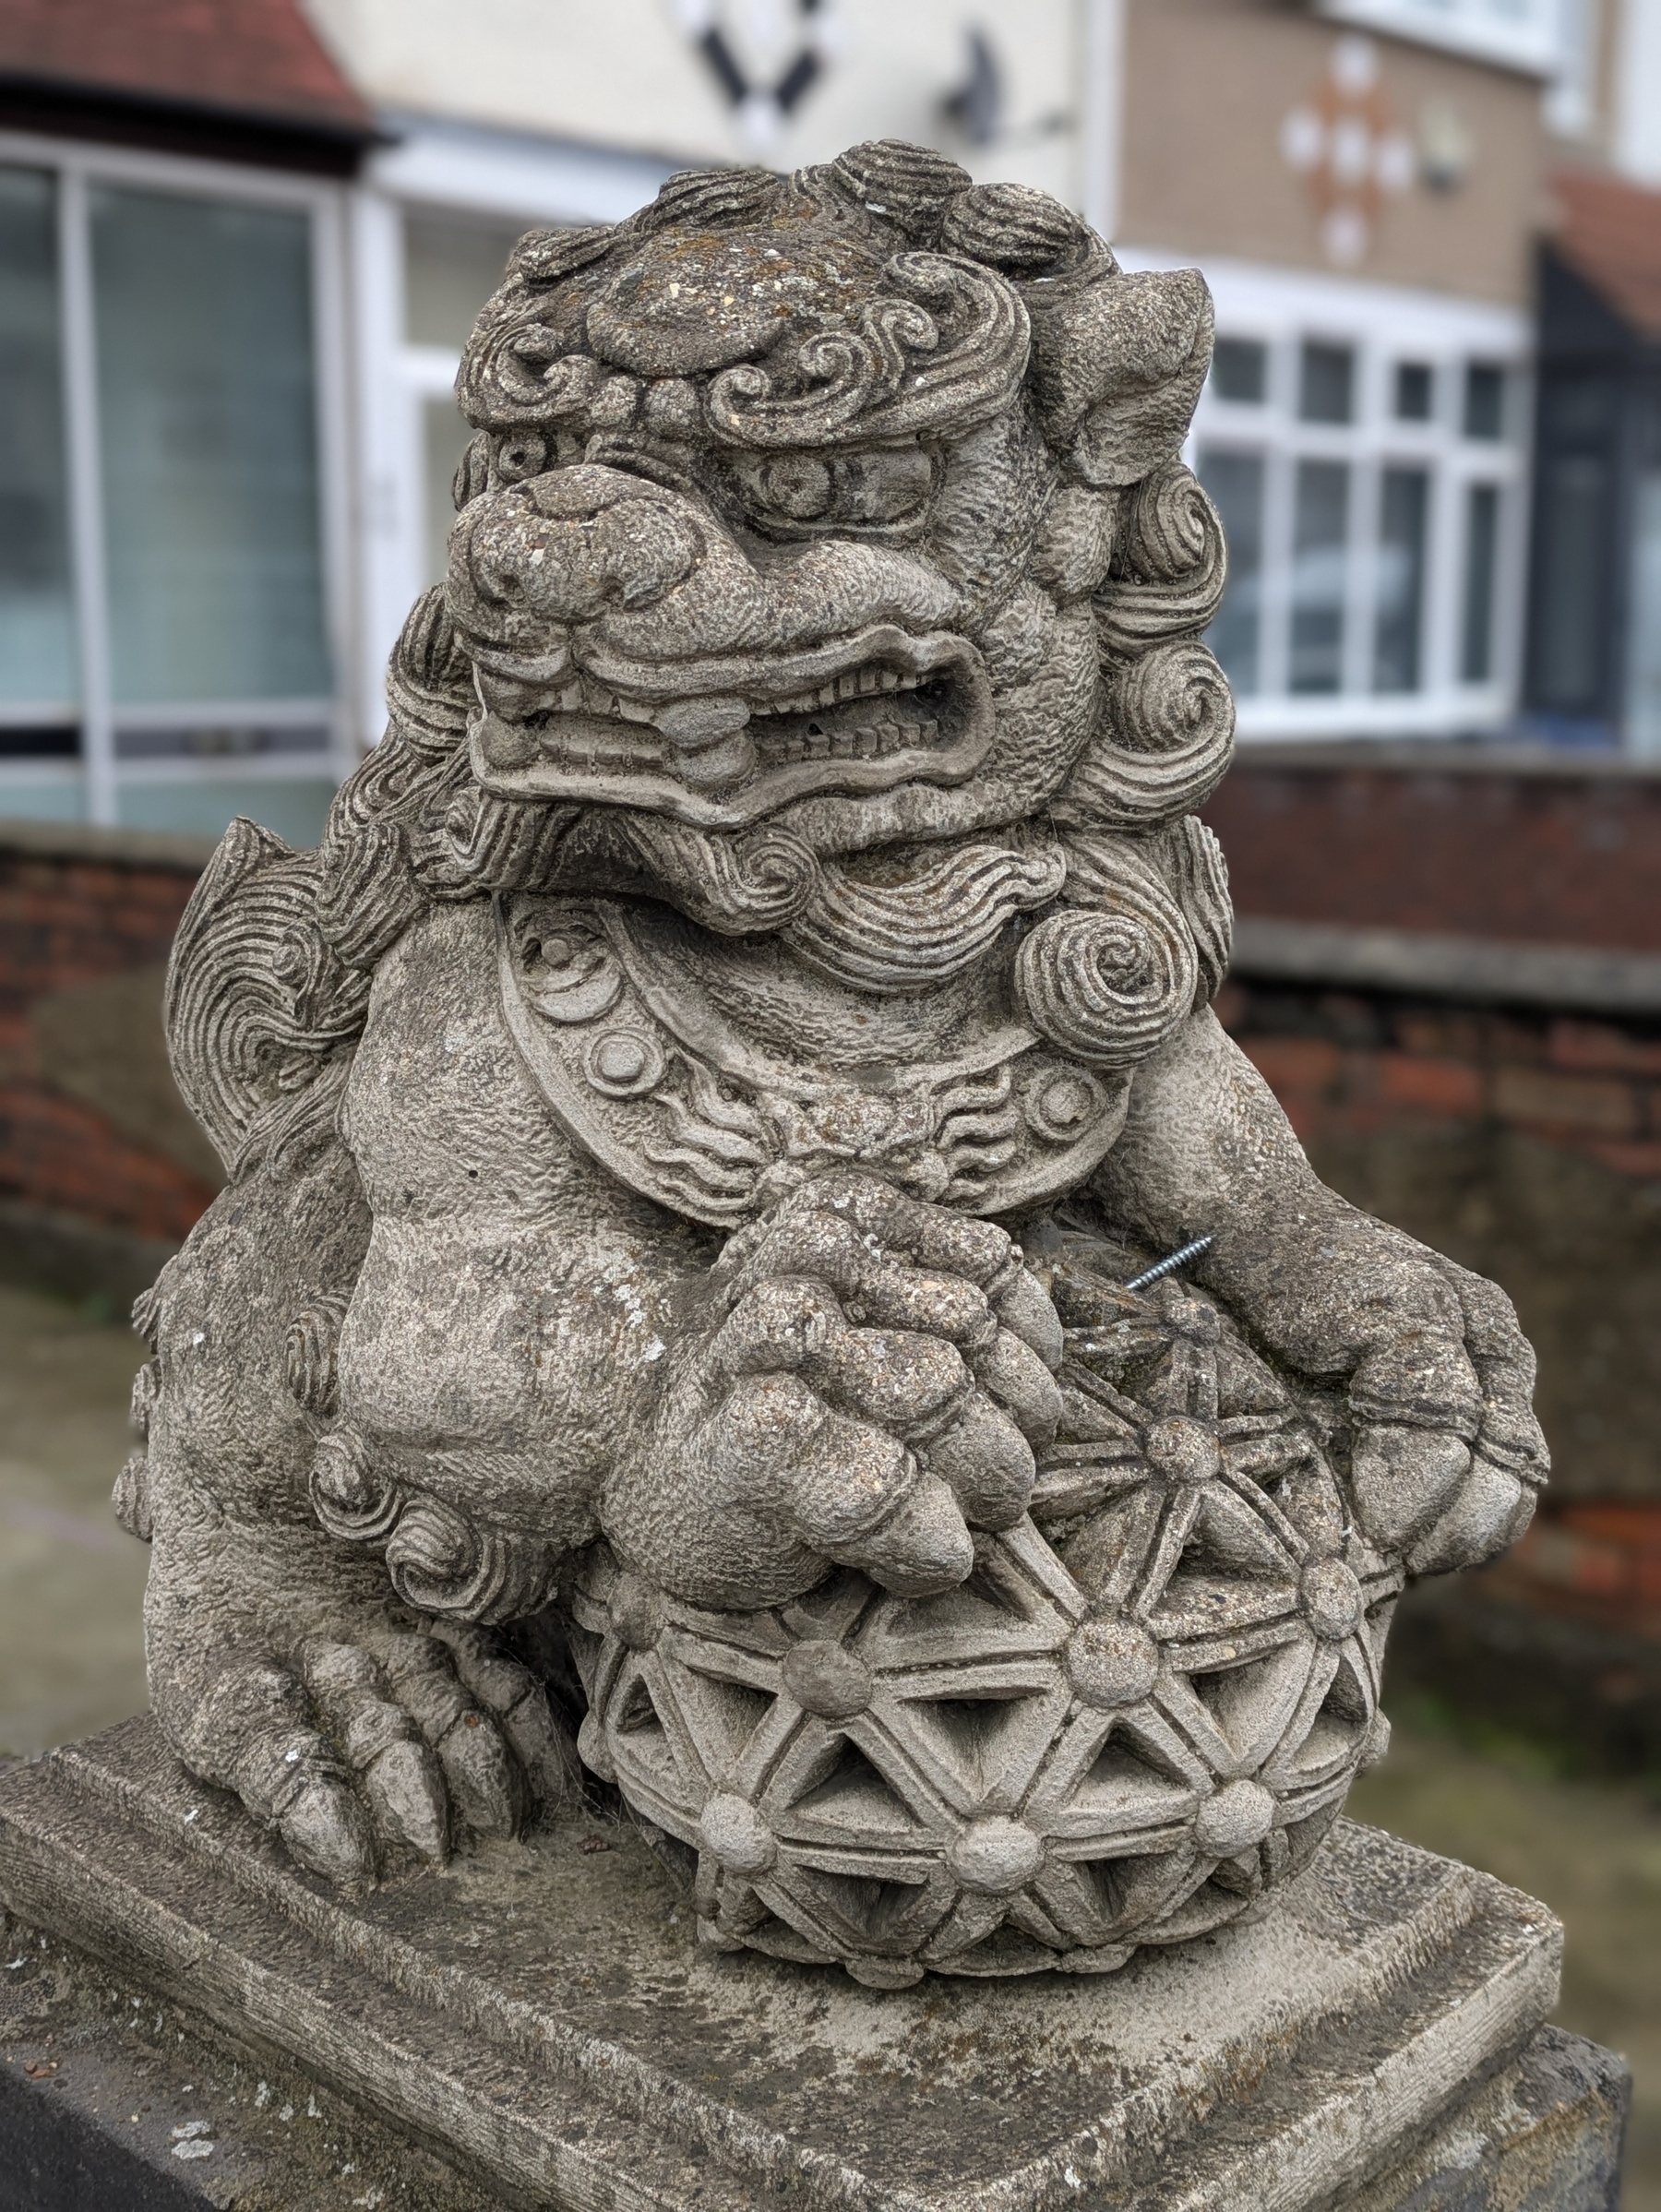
(1141, 1712)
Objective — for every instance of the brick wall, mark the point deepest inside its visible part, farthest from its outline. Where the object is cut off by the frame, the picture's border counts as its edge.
(1346, 1064)
(86, 921)
(1545, 850)
(1523, 1139)
(1502, 1118)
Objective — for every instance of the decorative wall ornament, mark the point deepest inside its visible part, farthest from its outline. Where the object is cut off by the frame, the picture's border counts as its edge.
(739, 1209)
(789, 43)
(1354, 156)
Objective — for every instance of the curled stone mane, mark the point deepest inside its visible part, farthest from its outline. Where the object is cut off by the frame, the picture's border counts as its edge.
(958, 299)
(955, 296)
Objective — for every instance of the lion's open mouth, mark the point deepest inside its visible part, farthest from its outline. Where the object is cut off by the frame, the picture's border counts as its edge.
(865, 716)
(728, 741)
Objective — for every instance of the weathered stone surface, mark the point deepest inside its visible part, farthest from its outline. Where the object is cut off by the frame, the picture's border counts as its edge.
(710, 1133)
(545, 2015)
(1542, 2135)
(96, 2125)
(113, 2099)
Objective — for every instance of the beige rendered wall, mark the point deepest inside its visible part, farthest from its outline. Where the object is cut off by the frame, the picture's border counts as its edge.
(1207, 86)
(624, 72)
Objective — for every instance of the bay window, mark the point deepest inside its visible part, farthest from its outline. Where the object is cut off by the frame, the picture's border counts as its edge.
(37, 617)
(1371, 480)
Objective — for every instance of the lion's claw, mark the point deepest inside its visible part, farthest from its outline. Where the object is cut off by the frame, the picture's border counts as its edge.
(380, 1744)
(869, 1388)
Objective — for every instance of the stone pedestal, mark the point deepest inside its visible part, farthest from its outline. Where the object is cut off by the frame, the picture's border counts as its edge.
(538, 2026)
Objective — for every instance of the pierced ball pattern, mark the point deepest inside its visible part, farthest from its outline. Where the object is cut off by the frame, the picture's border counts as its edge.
(1141, 1712)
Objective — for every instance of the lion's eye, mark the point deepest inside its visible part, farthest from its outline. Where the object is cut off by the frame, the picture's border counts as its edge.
(882, 486)
(797, 485)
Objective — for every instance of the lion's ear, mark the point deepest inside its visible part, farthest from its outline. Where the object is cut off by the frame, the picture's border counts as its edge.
(1117, 366)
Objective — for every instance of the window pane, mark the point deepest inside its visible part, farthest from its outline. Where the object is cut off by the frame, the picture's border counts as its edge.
(37, 635)
(1644, 622)
(1239, 369)
(1326, 388)
(207, 413)
(1482, 550)
(1569, 583)
(1319, 527)
(1414, 390)
(1483, 401)
(452, 264)
(445, 437)
(1402, 511)
(1235, 482)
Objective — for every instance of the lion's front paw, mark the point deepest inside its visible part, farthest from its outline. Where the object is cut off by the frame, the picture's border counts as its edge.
(358, 1752)
(1448, 1456)
(864, 1386)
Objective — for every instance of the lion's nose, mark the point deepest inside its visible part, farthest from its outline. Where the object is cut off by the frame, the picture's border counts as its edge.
(569, 549)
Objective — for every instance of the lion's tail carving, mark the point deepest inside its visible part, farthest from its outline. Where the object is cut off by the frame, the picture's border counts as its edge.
(257, 1010)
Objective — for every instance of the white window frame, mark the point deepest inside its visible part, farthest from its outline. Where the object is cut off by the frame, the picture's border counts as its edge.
(452, 169)
(1382, 325)
(1532, 44)
(97, 773)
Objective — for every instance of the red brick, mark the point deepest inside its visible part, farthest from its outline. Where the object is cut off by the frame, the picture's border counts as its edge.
(1450, 1087)
(1599, 1046)
(1295, 1063)
(1566, 1102)
(55, 1152)
(1450, 1035)
(1480, 851)
(1642, 1162)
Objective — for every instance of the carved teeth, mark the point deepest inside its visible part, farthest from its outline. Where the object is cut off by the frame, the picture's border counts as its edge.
(586, 695)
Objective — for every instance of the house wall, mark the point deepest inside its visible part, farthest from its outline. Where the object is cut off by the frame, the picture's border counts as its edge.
(1209, 86)
(630, 75)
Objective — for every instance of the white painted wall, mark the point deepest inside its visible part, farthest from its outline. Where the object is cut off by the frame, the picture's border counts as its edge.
(629, 75)
(1637, 90)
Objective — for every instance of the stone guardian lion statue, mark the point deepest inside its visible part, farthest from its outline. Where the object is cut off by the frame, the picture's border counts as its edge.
(702, 1129)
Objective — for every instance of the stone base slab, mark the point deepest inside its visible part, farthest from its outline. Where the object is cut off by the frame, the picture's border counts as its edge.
(541, 2019)
(96, 2097)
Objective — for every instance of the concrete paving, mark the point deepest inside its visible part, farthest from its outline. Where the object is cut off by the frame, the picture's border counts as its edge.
(71, 1580)
(71, 1661)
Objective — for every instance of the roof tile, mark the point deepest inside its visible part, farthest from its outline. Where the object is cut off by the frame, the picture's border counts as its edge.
(247, 57)
(1610, 235)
